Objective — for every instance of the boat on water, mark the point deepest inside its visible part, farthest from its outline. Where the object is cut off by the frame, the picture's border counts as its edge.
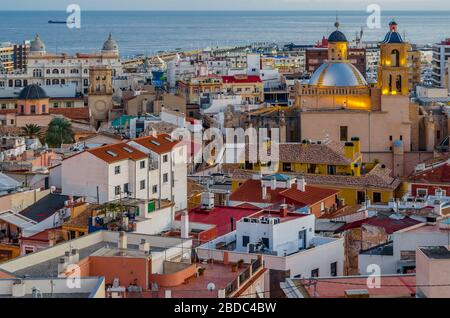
(56, 22)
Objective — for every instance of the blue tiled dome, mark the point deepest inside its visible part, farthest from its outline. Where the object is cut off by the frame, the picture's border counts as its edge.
(337, 36)
(32, 91)
(393, 37)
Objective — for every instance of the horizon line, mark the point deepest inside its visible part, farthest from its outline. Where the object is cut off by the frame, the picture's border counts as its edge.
(224, 10)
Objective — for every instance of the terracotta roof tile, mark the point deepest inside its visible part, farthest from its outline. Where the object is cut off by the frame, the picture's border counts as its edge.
(117, 152)
(435, 175)
(251, 191)
(377, 178)
(72, 113)
(160, 144)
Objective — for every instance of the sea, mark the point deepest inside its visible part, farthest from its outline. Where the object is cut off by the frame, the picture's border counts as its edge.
(149, 32)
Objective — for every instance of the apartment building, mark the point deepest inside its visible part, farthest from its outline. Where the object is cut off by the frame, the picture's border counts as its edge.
(441, 54)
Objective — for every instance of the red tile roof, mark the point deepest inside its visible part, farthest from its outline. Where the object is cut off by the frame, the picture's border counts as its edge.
(251, 191)
(390, 225)
(241, 79)
(220, 216)
(160, 144)
(117, 152)
(72, 113)
(438, 175)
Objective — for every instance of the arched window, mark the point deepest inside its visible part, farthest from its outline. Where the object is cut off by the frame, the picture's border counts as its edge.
(390, 83)
(48, 71)
(55, 82)
(63, 71)
(395, 58)
(63, 81)
(48, 82)
(55, 71)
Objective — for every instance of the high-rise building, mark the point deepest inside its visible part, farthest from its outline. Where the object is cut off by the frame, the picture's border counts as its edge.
(441, 54)
(6, 57)
(21, 52)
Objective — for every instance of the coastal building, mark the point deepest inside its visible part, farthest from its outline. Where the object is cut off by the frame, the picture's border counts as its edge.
(330, 165)
(144, 168)
(441, 54)
(287, 242)
(339, 97)
(45, 68)
(38, 105)
(398, 255)
(276, 189)
(6, 57)
(433, 180)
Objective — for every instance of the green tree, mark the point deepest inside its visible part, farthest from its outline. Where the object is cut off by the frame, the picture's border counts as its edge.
(32, 131)
(59, 132)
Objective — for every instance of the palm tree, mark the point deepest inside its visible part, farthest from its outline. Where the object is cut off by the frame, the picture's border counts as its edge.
(32, 131)
(59, 132)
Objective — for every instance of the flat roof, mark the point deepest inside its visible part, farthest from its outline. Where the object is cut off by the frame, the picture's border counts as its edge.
(49, 268)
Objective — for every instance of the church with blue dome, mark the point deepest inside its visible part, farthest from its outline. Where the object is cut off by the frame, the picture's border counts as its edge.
(337, 102)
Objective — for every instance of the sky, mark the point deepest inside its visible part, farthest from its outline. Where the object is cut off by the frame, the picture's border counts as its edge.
(359, 5)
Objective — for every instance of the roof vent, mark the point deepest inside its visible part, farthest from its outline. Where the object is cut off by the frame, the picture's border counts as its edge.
(128, 150)
(155, 143)
(111, 153)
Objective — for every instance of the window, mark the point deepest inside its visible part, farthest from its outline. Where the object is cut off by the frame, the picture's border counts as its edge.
(117, 170)
(43, 108)
(126, 188)
(331, 170)
(142, 184)
(287, 167)
(422, 192)
(266, 242)
(165, 177)
(333, 269)
(344, 133)
(245, 240)
(315, 273)
(377, 197)
(165, 158)
(142, 164)
(29, 250)
(322, 206)
(117, 190)
(33, 109)
(155, 189)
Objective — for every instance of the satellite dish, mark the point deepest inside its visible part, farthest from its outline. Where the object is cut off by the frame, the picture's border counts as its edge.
(211, 287)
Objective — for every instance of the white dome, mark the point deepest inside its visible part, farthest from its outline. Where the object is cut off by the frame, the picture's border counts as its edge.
(37, 45)
(337, 74)
(110, 45)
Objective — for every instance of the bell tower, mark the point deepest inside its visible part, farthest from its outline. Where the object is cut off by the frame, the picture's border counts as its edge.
(337, 45)
(393, 71)
(100, 94)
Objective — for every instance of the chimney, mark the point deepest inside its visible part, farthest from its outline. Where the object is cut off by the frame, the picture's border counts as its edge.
(207, 201)
(283, 210)
(75, 256)
(185, 225)
(357, 144)
(301, 184)
(232, 223)
(18, 288)
(62, 266)
(264, 192)
(122, 243)
(144, 246)
(274, 183)
(350, 150)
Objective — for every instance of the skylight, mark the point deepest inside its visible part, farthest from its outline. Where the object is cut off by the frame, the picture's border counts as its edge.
(155, 143)
(111, 153)
(128, 150)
